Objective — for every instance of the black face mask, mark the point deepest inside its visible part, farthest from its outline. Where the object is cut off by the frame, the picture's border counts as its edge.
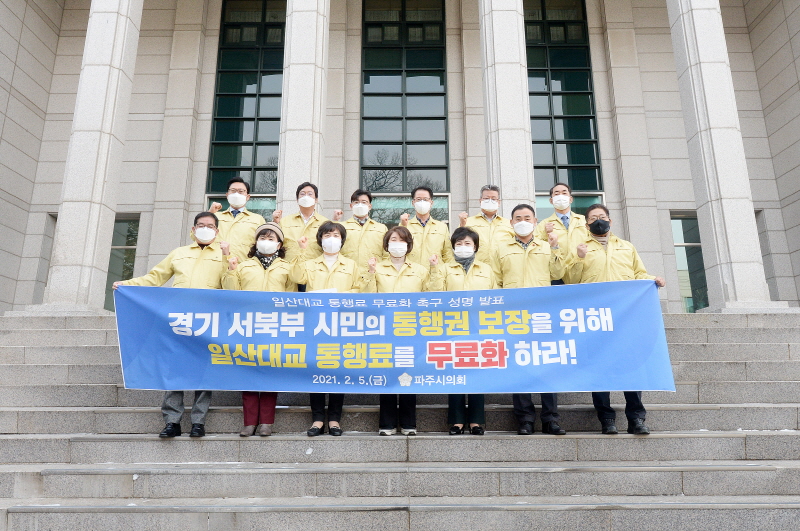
(599, 227)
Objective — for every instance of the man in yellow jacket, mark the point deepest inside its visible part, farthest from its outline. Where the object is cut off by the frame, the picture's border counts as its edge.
(603, 257)
(200, 265)
(305, 223)
(237, 225)
(490, 226)
(364, 234)
(525, 262)
(430, 236)
(567, 225)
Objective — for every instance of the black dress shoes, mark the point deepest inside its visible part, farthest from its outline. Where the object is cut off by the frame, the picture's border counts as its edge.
(552, 428)
(525, 428)
(172, 429)
(336, 431)
(198, 430)
(313, 431)
(456, 430)
(637, 427)
(477, 430)
(609, 427)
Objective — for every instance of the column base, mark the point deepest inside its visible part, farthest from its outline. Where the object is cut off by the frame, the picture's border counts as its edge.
(752, 307)
(57, 309)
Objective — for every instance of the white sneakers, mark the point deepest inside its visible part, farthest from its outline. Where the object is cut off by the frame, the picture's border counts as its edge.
(393, 431)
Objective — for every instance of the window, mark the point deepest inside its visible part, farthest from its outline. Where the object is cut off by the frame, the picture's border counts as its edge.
(247, 107)
(560, 92)
(123, 256)
(404, 105)
(689, 258)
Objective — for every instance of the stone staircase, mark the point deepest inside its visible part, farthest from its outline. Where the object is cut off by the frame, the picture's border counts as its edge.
(78, 451)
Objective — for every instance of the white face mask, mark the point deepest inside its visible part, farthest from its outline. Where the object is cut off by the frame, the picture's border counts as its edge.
(306, 201)
(205, 235)
(360, 210)
(422, 207)
(237, 200)
(490, 205)
(561, 202)
(463, 251)
(524, 228)
(331, 245)
(398, 249)
(267, 247)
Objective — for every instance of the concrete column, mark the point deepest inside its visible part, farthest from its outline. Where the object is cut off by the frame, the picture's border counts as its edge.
(505, 95)
(728, 232)
(94, 159)
(302, 143)
(179, 133)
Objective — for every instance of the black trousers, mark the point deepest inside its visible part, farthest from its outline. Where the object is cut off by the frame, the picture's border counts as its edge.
(457, 412)
(335, 402)
(390, 413)
(525, 411)
(634, 409)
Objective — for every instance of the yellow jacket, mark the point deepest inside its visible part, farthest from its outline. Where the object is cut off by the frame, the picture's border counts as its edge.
(314, 273)
(250, 275)
(567, 239)
(489, 233)
(479, 276)
(411, 278)
(433, 238)
(515, 267)
(294, 228)
(618, 261)
(240, 231)
(191, 266)
(364, 241)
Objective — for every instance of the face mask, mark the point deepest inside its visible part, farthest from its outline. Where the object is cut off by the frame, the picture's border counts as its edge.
(489, 205)
(205, 235)
(463, 251)
(398, 249)
(237, 200)
(599, 227)
(266, 247)
(422, 207)
(523, 228)
(306, 201)
(561, 202)
(331, 245)
(360, 210)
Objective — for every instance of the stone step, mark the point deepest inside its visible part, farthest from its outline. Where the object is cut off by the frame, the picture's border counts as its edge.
(733, 351)
(58, 337)
(430, 418)
(56, 354)
(733, 335)
(57, 322)
(751, 371)
(667, 513)
(344, 480)
(354, 447)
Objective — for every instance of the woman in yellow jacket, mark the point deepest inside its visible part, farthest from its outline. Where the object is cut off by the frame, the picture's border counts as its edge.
(466, 274)
(603, 257)
(264, 270)
(330, 270)
(397, 274)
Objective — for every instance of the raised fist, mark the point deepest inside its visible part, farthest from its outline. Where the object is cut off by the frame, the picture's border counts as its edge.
(215, 207)
(337, 215)
(277, 215)
(549, 227)
(372, 262)
(582, 250)
(232, 263)
(404, 220)
(303, 242)
(462, 219)
(434, 260)
(226, 248)
(552, 238)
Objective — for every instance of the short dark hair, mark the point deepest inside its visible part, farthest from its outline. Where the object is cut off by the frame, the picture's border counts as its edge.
(239, 180)
(304, 185)
(358, 193)
(331, 226)
(254, 248)
(404, 234)
(462, 233)
(202, 215)
(418, 188)
(569, 188)
(595, 207)
(521, 206)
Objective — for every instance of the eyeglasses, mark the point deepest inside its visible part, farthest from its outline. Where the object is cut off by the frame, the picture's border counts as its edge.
(203, 226)
(595, 218)
(237, 191)
(421, 200)
(304, 194)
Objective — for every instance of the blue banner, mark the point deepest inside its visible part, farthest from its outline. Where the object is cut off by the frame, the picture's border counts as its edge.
(590, 337)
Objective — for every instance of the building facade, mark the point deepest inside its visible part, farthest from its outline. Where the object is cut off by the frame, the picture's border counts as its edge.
(121, 119)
